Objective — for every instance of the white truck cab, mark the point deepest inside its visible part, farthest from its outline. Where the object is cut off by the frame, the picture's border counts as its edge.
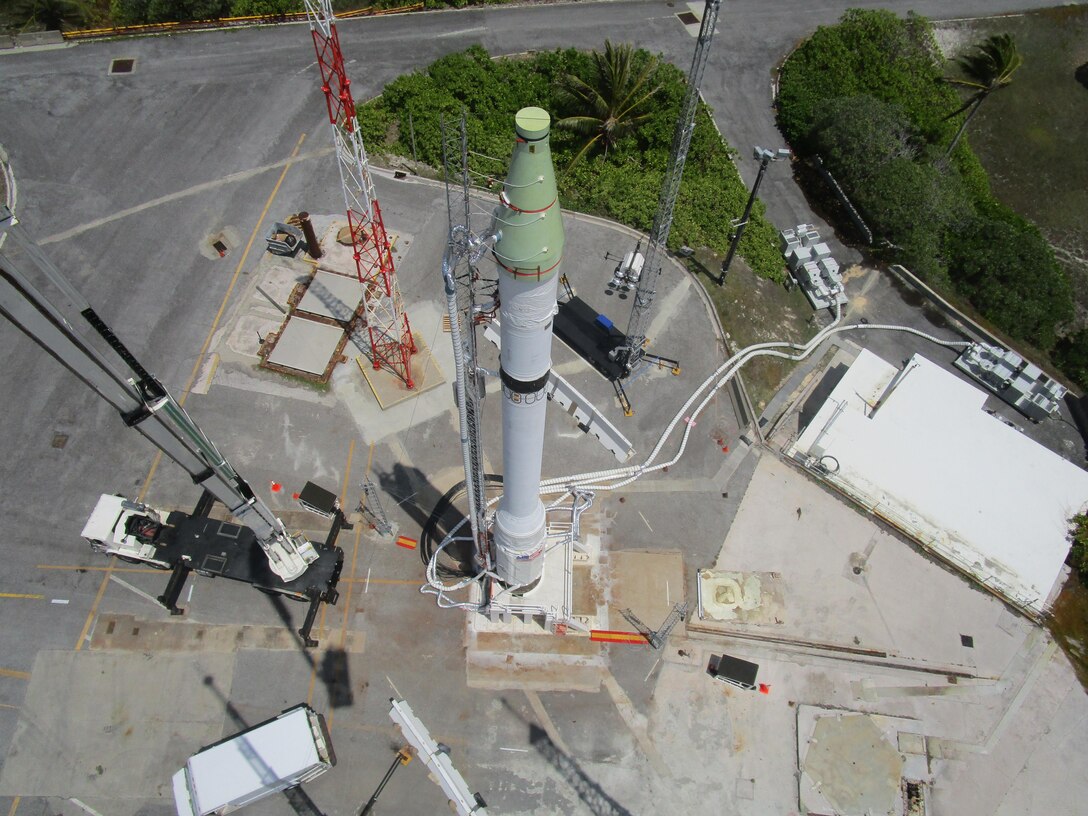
(127, 529)
(272, 756)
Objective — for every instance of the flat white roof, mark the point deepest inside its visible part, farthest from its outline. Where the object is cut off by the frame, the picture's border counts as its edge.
(917, 448)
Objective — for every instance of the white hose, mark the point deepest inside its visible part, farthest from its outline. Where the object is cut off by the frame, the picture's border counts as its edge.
(616, 478)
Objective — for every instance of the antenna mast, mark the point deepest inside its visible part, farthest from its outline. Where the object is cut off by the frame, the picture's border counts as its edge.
(631, 354)
(390, 334)
(459, 274)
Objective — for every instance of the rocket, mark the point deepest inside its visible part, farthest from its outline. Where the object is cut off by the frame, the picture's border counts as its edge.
(528, 251)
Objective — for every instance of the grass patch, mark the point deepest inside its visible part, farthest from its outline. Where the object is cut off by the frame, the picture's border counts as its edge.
(753, 310)
(1030, 136)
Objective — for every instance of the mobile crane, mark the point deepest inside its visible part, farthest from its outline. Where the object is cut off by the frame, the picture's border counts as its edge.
(182, 542)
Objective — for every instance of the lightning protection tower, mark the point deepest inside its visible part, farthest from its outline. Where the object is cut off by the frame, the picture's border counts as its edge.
(464, 247)
(387, 324)
(631, 354)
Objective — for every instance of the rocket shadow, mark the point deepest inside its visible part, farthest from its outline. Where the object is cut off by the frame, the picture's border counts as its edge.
(435, 514)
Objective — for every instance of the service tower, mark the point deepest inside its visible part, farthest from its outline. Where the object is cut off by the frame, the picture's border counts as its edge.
(528, 250)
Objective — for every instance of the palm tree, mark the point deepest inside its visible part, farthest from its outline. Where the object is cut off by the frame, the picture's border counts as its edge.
(613, 103)
(988, 68)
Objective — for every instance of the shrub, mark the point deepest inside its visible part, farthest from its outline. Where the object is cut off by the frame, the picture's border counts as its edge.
(624, 184)
(1078, 551)
(870, 52)
(868, 96)
(1005, 267)
(1071, 356)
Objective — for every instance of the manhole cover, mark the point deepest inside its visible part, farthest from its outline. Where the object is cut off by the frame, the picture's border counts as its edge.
(687, 18)
(60, 440)
(122, 66)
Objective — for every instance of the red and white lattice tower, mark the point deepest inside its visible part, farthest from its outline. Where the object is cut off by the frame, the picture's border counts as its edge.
(387, 323)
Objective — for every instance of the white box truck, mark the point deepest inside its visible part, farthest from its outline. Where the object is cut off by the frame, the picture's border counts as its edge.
(275, 755)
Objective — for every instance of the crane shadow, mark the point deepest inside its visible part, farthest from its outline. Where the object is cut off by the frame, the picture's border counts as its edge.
(333, 671)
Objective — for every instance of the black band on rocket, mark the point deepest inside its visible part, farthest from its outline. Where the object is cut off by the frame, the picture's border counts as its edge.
(523, 386)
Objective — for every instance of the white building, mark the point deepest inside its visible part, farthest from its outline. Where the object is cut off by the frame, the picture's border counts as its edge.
(916, 448)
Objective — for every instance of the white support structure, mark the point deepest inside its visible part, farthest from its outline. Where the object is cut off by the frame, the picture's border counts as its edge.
(437, 759)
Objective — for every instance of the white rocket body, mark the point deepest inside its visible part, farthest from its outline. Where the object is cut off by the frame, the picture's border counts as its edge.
(528, 251)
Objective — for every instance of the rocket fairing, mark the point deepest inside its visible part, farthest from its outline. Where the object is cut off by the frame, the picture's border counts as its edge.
(528, 251)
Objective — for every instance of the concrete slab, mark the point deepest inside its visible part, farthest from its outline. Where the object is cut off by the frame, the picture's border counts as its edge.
(388, 388)
(105, 724)
(647, 583)
(743, 597)
(129, 633)
(306, 346)
(849, 762)
(331, 295)
(848, 584)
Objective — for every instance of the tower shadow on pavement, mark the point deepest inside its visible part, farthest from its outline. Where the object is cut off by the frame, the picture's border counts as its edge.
(591, 794)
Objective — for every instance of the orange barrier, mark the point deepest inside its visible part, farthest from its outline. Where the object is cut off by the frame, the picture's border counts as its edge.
(608, 636)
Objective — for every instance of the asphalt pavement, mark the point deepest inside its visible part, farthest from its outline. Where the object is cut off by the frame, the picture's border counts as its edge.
(124, 181)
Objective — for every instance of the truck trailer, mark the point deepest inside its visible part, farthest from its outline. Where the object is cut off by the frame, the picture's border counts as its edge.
(275, 755)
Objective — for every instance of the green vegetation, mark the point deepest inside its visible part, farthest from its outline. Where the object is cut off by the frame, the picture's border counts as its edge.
(869, 97)
(31, 15)
(66, 15)
(138, 12)
(1078, 550)
(614, 102)
(1030, 140)
(622, 183)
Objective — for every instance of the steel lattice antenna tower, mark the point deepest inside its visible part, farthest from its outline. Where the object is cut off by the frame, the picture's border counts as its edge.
(634, 350)
(387, 324)
(463, 248)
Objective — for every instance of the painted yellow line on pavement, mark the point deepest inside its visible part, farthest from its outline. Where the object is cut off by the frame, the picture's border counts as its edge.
(15, 805)
(18, 675)
(22, 595)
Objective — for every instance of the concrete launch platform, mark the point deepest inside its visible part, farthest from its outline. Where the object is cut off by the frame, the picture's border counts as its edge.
(332, 295)
(307, 347)
(539, 724)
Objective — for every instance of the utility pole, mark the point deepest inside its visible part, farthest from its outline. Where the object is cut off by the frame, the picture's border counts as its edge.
(765, 158)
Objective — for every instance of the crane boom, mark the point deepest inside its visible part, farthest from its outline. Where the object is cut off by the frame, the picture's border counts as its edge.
(632, 352)
(143, 402)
